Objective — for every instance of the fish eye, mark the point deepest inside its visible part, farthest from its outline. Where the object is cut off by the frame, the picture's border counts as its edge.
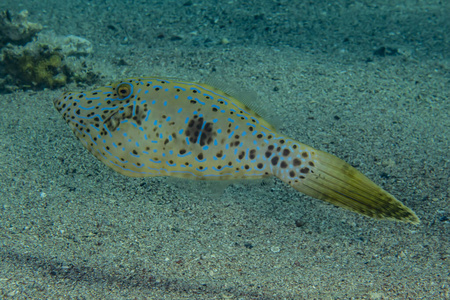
(124, 90)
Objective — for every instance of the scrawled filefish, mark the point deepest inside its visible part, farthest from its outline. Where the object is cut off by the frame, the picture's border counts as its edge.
(164, 127)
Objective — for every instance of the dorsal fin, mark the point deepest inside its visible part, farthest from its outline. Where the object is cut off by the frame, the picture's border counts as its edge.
(248, 98)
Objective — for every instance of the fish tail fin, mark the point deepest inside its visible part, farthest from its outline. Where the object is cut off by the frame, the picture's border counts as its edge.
(326, 177)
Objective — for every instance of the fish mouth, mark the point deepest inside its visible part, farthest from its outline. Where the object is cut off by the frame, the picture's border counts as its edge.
(58, 101)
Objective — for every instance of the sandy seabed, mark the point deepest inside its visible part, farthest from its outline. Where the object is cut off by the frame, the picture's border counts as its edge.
(72, 228)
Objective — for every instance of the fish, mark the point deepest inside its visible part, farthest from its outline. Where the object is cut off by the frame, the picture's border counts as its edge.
(152, 126)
